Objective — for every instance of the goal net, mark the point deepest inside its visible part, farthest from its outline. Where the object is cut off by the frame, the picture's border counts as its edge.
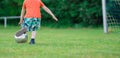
(113, 15)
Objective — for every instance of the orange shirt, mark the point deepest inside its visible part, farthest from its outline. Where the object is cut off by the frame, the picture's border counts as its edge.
(32, 8)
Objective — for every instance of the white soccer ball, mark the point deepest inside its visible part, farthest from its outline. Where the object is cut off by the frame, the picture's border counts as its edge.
(21, 39)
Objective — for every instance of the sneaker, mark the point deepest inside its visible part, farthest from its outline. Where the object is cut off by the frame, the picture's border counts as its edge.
(32, 41)
(21, 31)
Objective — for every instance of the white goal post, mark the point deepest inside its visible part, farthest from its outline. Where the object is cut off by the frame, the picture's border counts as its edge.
(105, 26)
(111, 15)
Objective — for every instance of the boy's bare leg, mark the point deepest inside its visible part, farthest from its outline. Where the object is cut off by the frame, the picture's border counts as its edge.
(33, 35)
(21, 31)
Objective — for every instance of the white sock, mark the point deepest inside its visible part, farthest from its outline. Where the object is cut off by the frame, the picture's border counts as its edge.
(33, 35)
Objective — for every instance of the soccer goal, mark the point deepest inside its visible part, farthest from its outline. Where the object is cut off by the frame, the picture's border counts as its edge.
(111, 15)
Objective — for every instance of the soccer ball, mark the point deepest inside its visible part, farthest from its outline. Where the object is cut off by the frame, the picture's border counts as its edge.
(21, 39)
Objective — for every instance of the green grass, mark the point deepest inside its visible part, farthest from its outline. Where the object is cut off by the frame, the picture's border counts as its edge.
(61, 43)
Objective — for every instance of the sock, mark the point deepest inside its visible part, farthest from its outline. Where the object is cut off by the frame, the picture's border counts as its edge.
(33, 35)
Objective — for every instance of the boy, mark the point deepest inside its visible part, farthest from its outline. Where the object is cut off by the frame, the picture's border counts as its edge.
(32, 18)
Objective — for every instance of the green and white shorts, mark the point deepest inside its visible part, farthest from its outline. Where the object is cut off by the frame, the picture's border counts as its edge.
(32, 24)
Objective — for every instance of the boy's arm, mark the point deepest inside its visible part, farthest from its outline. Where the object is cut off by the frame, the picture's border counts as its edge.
(49, 12)
(22, 15)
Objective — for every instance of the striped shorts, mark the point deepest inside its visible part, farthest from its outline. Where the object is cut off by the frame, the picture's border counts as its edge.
(32, 24)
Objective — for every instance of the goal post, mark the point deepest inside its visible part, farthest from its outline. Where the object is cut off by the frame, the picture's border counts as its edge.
(111, 15)
(105, 26)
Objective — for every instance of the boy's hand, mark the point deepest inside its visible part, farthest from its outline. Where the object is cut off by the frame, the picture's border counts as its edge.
(21, 21)
(55, 18)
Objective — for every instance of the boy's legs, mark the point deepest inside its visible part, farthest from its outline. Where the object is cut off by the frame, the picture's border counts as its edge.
(21, 31)
(33, 35)
(35, 25)
(32, 24)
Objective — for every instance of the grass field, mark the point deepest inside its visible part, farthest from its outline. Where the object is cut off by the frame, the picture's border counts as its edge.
(61, 43)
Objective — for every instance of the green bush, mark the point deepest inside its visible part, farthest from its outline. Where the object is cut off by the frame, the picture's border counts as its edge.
(69, 12)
